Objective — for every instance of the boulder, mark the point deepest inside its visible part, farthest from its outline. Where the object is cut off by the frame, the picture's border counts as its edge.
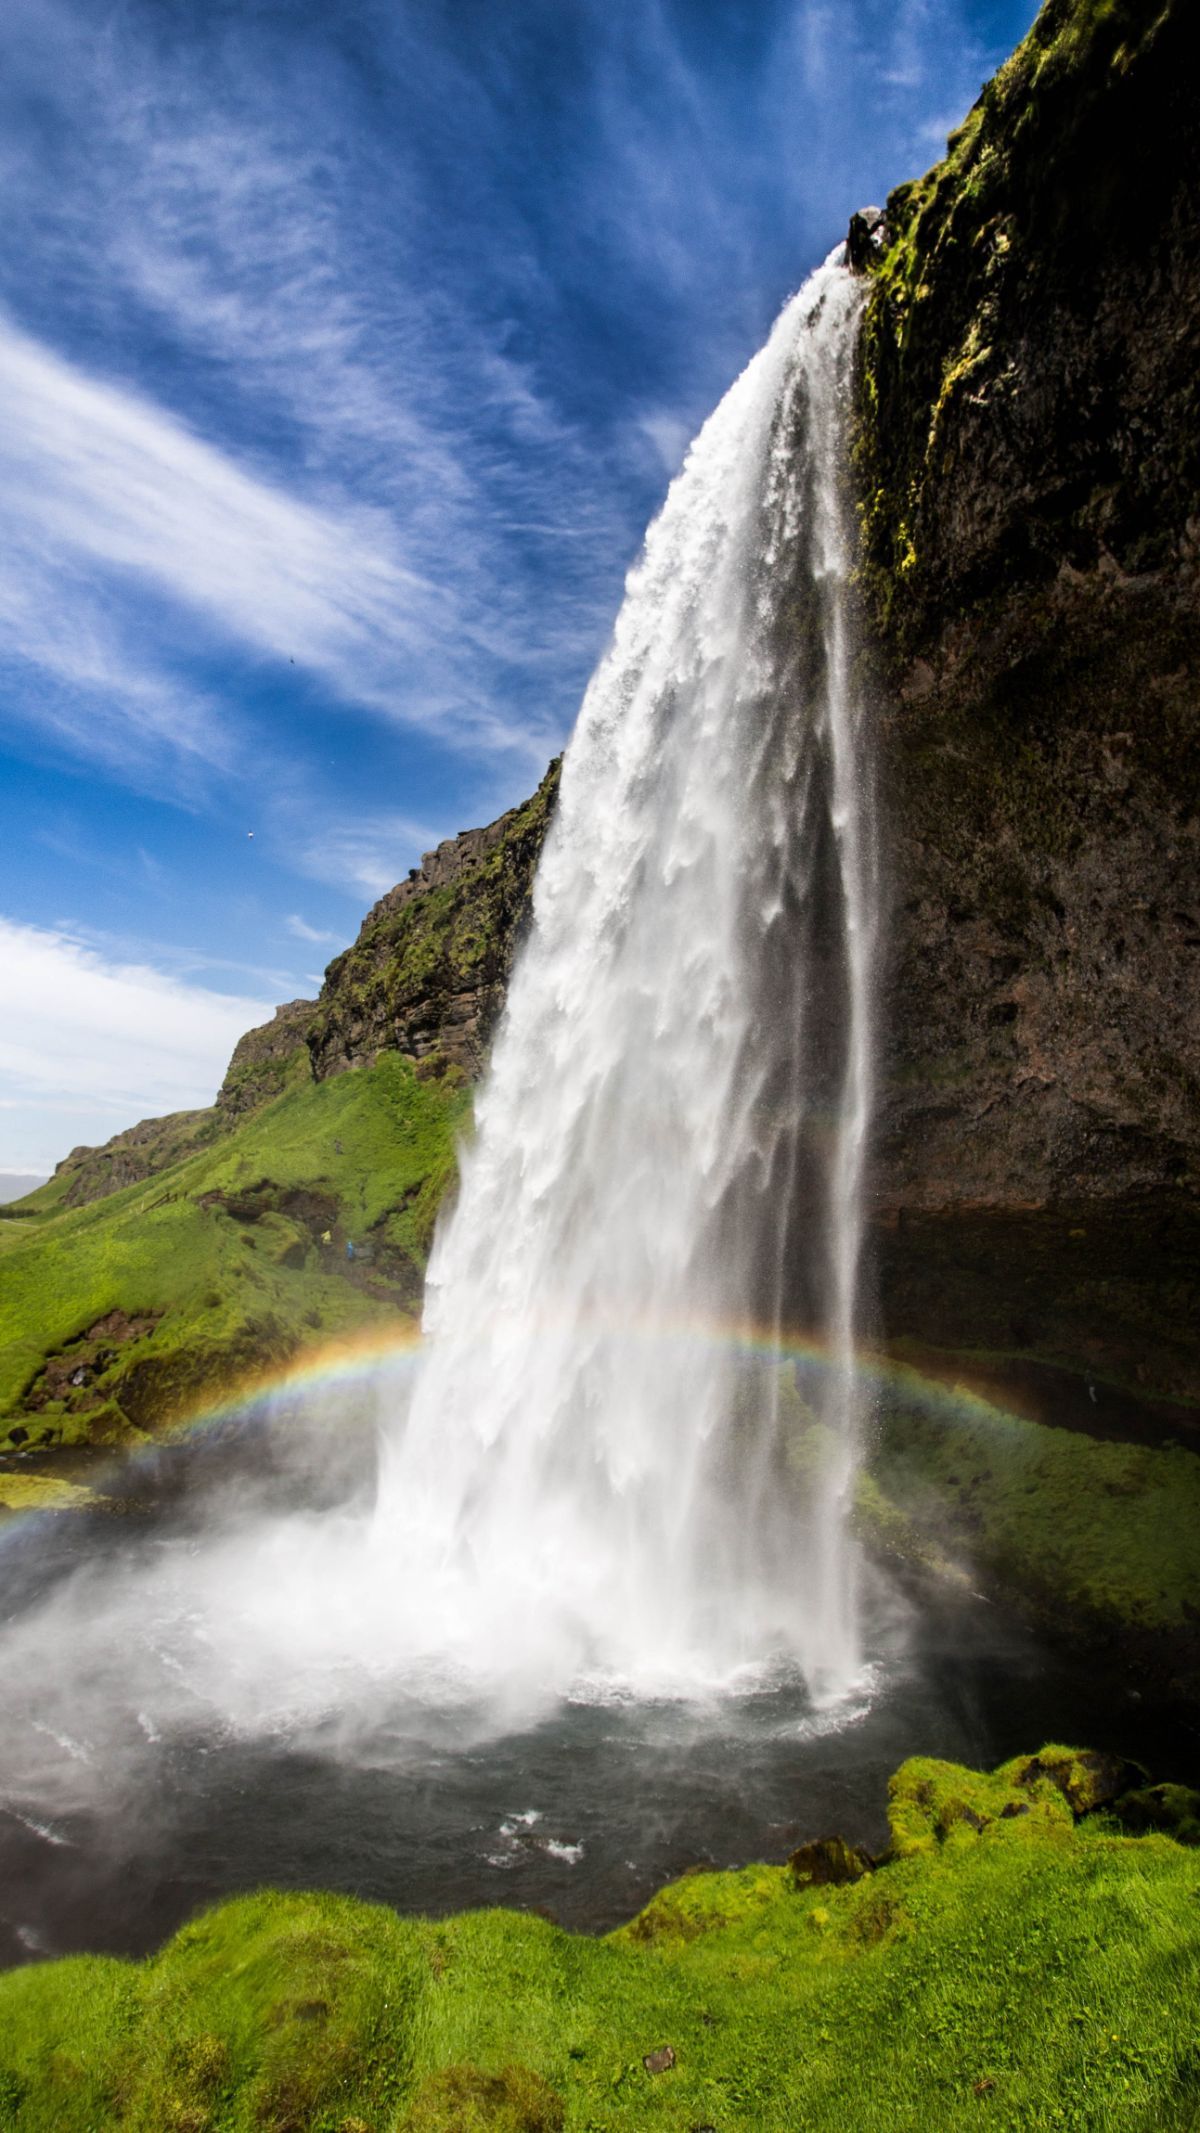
(828, 1862)
(865, 238)
(1086, 1777)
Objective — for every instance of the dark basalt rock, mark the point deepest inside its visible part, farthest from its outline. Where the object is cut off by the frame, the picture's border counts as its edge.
(865, 238)
(1087, 1779)
(828, 1862)
(1028, 460)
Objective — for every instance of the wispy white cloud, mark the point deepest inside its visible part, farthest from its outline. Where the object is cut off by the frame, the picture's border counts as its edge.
(89, 1044)
(345, 324)
(329, 384)
(75, 669)
(304, 932)
(367, 854)
(99, 476)
(183, 964)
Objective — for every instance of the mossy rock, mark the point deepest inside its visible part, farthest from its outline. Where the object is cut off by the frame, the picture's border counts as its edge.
(1086, 1778)
(828, 1862)
(932, 1803)
(1167, 1810)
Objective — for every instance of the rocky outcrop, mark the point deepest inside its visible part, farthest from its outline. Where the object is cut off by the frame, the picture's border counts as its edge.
(426, 978)
(828, 1862)
(139, 1152)
(257, 1072)
(1029, 456)
(263, 1059)
(427, 974)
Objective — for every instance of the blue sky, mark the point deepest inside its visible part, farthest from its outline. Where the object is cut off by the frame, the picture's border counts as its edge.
(345, 351)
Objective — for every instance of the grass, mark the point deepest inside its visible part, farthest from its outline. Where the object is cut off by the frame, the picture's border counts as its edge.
(1008, 1968)
(1103, 1534)
(223, 1252)
(1082, 1533)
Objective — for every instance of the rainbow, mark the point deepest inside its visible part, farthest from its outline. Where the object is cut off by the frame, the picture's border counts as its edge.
(378, 1356)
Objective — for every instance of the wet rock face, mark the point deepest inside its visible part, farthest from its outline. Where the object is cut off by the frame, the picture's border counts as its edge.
(865, 238)
(1029, 462)
(1043, 1008)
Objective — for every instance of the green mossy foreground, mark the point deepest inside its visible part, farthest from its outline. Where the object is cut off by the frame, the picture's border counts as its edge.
(1009, 1965)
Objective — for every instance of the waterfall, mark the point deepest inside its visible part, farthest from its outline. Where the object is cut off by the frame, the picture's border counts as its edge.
(607, 1472)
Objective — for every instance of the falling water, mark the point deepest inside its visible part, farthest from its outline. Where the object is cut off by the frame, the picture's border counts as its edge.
(671, 1136)
(612, 1479)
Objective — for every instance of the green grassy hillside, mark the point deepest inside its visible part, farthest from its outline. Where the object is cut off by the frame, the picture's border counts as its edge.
(1010, 1966)
(193, 1251)
(119, 1316)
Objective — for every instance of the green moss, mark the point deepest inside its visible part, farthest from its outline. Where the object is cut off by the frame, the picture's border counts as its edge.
(223, 1252)
(1010, 1965)
(1099, 1534)
(43, 1492)
(463, 2099)
(1069, 1528)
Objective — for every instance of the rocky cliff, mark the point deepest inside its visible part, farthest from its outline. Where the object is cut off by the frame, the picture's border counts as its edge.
(1029, 459)
(425, 978)
(427, 974)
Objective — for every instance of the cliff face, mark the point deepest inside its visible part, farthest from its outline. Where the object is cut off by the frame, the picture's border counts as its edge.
(263, 1059)
(427, 974)
(1029, 458)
